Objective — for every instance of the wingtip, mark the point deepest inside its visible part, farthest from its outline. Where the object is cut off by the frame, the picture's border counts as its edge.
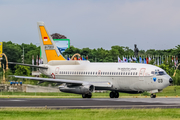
(11, 75)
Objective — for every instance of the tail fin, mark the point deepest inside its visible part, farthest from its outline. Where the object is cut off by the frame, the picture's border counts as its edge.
(48, 47)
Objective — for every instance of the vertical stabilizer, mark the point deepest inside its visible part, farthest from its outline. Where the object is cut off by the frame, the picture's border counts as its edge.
(48, 47)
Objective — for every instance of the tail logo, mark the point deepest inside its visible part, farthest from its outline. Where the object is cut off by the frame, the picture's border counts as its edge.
(45, 38)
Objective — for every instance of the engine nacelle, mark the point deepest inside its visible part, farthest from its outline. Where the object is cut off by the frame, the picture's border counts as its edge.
(84, 89)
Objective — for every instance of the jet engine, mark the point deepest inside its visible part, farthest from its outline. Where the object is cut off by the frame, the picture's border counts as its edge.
(84, 89)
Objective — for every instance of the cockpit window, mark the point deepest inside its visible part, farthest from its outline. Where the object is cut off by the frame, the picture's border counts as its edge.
(161, 73)
(152, 72)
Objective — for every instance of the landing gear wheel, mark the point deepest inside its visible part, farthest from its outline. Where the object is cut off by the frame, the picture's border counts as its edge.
(111, 95)
(114, 94)
(89, 95)
(153, 96)
(86, 95)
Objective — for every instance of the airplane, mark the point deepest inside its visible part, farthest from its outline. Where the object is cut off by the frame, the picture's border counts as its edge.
(84, 77)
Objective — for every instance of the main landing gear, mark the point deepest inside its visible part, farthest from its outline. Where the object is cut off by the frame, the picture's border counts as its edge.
(87, 95)
(153, 96)
(114, 94)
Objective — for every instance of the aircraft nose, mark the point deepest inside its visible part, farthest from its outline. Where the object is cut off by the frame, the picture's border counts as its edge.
(170, 80)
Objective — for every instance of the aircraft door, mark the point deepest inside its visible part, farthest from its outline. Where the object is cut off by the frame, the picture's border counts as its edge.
(141, 74)
(57, 70)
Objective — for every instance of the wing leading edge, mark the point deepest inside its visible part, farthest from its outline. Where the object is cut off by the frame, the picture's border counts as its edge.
(96, 84)
(36, 66)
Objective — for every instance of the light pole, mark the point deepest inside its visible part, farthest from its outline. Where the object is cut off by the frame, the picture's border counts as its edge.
(23, 56)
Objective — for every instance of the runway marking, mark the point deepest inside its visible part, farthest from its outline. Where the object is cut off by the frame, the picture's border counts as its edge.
(17, 100)
(13, 100)
(146, 100)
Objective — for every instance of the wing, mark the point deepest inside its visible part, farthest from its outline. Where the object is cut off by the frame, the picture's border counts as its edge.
(102, 84)
(36, 66)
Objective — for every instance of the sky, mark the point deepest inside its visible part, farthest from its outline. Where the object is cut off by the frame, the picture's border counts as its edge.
(151, 24)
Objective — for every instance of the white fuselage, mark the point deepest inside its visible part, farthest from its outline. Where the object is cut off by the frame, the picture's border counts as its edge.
(125, 77)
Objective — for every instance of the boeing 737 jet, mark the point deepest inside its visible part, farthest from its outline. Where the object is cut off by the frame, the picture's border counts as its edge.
(83, 77)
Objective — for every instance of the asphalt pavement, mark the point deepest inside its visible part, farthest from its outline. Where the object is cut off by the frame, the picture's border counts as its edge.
(76, 103)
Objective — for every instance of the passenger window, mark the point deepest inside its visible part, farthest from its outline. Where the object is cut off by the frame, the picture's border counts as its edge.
(93, 73)
(74, 72)
(152, 72)
(110, 73)
(126, 73)
(131, 73)
(121, 73)
(116, 73)
(136, 73)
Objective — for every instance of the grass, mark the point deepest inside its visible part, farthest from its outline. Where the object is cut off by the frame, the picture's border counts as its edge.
(171, 91)
(90, 114)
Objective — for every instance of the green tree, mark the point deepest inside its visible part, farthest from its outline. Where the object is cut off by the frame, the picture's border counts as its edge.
(22, 70)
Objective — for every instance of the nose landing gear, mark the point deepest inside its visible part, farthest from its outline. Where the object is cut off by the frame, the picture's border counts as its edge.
(114, 94)
(153, 96)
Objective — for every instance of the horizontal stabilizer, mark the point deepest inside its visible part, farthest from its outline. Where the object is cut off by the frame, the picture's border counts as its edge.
(36, 66)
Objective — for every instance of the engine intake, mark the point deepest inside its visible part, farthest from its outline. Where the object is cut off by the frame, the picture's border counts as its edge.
(84, 89)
